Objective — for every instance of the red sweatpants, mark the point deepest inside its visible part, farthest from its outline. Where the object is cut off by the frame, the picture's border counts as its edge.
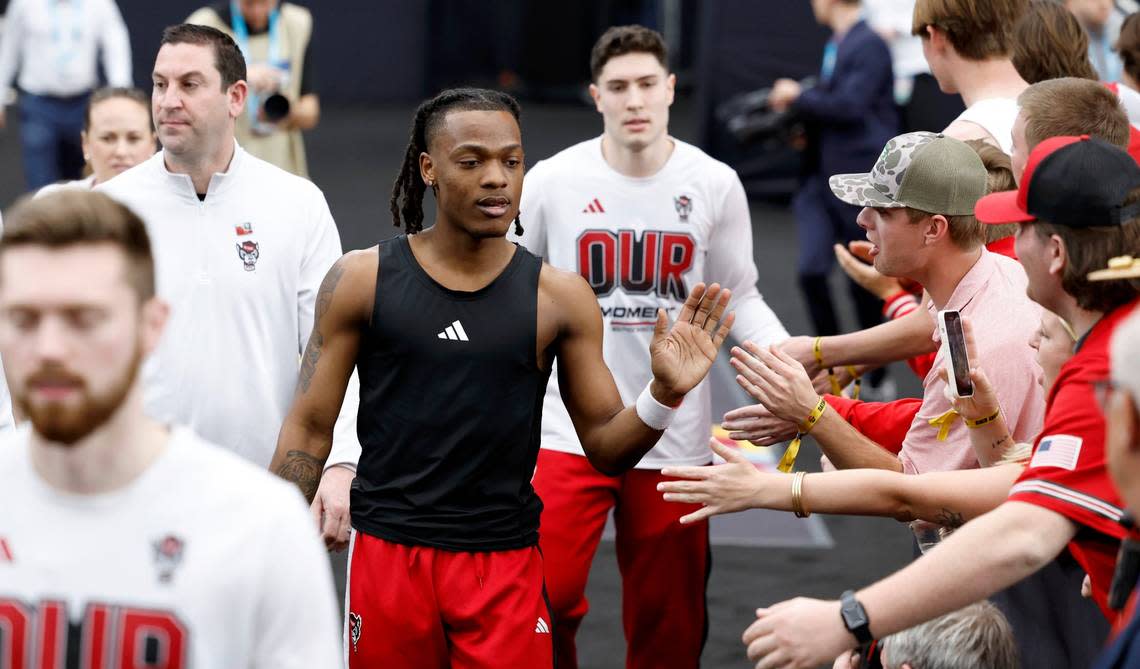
(417, 607)
(664, 565)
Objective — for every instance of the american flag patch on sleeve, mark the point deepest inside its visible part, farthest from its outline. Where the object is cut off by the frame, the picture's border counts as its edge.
(1057, 450)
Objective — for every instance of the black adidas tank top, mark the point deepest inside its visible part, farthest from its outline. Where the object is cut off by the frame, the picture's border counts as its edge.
(450, 408)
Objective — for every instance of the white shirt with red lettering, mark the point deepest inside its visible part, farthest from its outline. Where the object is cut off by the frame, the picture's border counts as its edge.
(203, 561)
(642, 243)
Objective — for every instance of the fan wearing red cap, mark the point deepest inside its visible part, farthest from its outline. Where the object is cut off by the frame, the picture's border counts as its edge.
(1076, 208)
(1078, 201)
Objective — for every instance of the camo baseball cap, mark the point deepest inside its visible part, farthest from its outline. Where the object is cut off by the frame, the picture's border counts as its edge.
(922, 170)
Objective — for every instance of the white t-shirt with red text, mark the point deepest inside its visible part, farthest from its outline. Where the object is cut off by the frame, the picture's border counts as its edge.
(203, 561)
(642, 243)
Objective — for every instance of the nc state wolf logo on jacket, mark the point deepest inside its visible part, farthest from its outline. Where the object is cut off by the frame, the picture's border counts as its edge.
(249, 253)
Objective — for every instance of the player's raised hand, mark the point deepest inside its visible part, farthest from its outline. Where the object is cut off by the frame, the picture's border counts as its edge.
(682, 355)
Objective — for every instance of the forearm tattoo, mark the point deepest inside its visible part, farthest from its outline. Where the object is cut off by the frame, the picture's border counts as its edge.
(304, 470)
(317, 340)
(999, 442)
(950, 519)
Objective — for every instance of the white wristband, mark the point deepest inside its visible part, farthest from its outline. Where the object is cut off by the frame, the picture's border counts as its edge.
(653, 413)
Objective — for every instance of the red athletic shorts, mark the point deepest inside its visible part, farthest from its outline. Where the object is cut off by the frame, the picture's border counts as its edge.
(417, 607)
(664, 564)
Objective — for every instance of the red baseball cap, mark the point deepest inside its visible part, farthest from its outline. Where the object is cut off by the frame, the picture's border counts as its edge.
(1077, 182)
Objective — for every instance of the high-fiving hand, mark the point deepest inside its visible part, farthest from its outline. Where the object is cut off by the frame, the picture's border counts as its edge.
(682, 355)
(719, 489)
(776, 380)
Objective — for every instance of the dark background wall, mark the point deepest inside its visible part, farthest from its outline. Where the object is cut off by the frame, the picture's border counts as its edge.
(371, 52)
(365, 51)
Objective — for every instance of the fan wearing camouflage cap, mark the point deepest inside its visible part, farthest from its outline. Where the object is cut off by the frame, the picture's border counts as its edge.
(1078, 206)
(918, 202)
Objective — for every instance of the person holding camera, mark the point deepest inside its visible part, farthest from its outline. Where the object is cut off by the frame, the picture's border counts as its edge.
(276, 39)
(851, 114)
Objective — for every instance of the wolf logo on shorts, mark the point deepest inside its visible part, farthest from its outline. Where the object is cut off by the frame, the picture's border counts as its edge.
(354, 624)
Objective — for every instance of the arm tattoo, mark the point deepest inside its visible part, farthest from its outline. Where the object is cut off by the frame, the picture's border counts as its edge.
(304, 470)
(999, 442)
(950, 519)
(317, 340)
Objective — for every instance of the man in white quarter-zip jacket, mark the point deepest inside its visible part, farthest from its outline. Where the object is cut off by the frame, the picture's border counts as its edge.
(241, 247)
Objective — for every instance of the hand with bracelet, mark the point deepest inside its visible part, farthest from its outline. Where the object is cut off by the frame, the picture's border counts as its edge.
(981, 412)
(737, 485)
(946, 498)
(800, 348)
(776, 380)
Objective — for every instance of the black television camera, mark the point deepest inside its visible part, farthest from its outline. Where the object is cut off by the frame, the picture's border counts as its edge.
(751, 121)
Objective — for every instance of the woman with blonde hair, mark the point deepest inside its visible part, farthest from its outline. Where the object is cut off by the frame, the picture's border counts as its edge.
(117, 135)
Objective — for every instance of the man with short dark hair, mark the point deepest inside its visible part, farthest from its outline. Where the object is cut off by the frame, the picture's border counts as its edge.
(643, 217)
(241, 248)
(118, 531)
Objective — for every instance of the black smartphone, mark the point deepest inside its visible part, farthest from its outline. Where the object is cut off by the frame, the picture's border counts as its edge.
(950, 324)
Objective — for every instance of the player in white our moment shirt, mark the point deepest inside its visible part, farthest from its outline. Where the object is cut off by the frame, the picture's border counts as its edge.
(125, 542)
(642, 216)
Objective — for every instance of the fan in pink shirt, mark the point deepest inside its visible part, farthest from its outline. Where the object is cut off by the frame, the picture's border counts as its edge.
(918, 212)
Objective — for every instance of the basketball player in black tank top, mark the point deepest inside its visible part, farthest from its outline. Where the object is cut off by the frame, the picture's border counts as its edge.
(454, 331)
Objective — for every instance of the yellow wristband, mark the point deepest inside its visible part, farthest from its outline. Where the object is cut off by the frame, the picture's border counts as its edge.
(817, 349)
(788, 460)
(982, 421)
(813, 417)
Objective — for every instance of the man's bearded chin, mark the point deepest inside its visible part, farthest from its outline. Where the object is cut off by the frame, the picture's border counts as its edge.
(68, 424)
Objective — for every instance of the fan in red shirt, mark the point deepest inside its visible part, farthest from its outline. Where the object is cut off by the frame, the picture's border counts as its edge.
(1079, 205)
(1056, 107)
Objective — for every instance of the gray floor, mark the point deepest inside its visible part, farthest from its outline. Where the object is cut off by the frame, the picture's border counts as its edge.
(354, 156)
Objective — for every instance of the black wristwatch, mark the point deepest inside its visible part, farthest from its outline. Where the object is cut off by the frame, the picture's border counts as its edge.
(855, 617)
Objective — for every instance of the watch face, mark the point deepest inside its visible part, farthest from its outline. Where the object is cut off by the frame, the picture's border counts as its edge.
(854, 616)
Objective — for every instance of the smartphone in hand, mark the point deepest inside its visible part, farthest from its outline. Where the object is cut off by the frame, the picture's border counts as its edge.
(954, 339)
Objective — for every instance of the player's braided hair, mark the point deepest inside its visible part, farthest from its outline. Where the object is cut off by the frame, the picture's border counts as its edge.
(408, 189)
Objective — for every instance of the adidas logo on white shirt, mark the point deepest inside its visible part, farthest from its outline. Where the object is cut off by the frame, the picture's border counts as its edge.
(541, 627)
(454, 332)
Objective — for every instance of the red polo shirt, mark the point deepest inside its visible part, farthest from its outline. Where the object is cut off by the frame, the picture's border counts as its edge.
(1067, 474)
